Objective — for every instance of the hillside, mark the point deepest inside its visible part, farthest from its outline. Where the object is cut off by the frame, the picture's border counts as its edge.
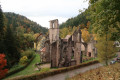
(80, 19)
(18, 20)
(111, 72)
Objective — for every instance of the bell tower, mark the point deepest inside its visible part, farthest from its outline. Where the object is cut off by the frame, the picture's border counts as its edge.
(54, 43)
(54, 31)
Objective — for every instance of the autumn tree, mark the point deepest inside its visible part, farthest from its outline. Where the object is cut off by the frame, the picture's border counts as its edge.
(3, 63)
(86, 38)
(106, 49)
(64, 32)
(67, 31)
(38, 37)
(105, 18)
(29, 40)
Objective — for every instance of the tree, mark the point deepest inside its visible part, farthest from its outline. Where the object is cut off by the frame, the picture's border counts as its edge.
(64, 32)
(80, 19)
(67, 31)
(18, 20)
(12, 47)
(105, 22)
(86, 38)
(38, 38)
(105, 17)
(2, 32)
(3, 63)
(29, 40)
(106, 49)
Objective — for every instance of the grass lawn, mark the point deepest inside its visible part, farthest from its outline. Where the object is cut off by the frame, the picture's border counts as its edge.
(90, 60)
(30, 69)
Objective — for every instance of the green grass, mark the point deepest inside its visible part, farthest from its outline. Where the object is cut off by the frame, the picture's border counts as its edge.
(15, 67)
(31, 68)
(92, 59)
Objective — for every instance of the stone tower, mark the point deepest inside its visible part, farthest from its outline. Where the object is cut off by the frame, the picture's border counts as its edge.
(54, 43)
(54, 31)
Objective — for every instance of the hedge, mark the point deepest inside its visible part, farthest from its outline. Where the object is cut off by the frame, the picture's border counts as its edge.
(37, 76)
(19, 69)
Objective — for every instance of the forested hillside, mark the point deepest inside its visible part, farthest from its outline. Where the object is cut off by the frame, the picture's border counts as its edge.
(17, 20)
(17, 37)
(79, 20)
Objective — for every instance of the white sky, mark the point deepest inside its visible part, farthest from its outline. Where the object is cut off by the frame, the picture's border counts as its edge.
(42, 11)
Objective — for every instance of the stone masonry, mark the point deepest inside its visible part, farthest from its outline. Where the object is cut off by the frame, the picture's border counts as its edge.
(63, 52)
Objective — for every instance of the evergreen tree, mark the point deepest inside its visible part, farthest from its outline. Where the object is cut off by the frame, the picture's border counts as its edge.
(2, 32)
(12, 47)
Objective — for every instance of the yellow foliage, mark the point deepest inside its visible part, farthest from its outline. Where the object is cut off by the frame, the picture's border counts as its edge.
(95, 37)
(36, 35)
(65, 31)
(105, 48)
(23, 60)
(85, 35)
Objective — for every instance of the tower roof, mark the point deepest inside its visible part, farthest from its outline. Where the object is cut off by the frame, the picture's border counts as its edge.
(53, 20)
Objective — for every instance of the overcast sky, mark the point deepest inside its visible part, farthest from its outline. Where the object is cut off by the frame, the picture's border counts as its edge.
(42, 11)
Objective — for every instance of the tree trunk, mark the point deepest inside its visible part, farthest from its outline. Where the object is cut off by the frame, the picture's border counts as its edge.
(106, 62)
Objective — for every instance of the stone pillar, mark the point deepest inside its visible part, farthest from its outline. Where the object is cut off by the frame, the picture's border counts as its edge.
(77, 53)
(57, 54)
(56, 24)
(78, 37)
(51, 24)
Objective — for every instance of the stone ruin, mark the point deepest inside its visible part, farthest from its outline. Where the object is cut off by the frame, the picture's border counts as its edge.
(63, 52)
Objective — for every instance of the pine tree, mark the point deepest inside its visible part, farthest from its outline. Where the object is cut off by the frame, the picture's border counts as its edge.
(12, 47)
(2, 32)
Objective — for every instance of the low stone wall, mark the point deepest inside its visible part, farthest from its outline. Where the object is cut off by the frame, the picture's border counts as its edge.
(54, 72)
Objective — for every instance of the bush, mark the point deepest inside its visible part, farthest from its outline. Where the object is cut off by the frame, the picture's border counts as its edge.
(23, 60)
(17, 68)
(29, 53)
(3, 63)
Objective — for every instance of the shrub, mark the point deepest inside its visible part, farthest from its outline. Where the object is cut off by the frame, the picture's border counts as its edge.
(29, 53)
(3, 63)
(23, 60)
(17, 68)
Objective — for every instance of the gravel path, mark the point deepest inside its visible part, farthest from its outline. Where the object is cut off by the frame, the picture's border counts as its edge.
(72, 73)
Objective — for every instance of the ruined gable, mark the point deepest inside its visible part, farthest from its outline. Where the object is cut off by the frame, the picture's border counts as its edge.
(64, 52)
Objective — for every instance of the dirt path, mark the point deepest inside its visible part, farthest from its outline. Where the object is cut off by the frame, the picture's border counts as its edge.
(72, 73)
(44, 66)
